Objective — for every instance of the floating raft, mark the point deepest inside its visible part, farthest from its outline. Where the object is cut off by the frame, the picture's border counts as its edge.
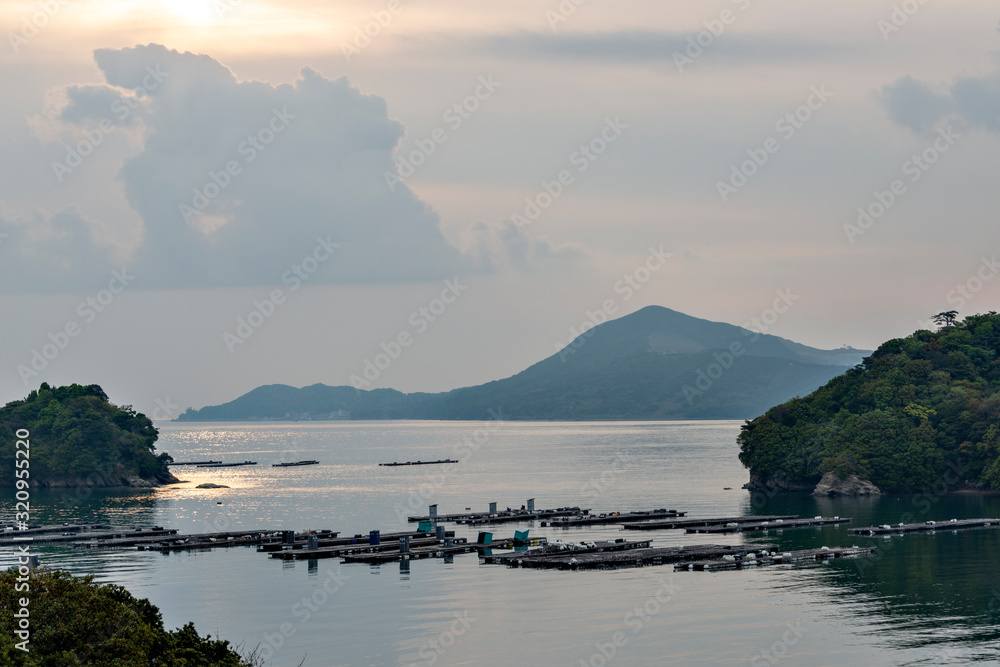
(476, 518)
(192, 463)
(778, 524)
(633, 557)
(8, 530)
(226, 465)
(558, 551)
(329, 539)
(70, 536)
(296, 463)
(366, 549)
(436, 551)
(207, 541)
(765, 557)
(926, 526)
(395, 464)
(692, 523)
(610, 517)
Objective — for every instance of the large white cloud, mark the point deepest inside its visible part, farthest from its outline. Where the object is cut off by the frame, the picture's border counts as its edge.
(235, 182)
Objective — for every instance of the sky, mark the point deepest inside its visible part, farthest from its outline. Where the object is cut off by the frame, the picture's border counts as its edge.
(198, 197)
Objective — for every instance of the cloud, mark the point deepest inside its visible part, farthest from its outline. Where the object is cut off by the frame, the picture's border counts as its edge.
(235, 182)
(656, 46)
(94, 103)
(502, 245)
(52, 252)
(970, 101)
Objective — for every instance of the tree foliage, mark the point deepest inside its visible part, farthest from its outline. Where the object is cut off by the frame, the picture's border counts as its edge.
(74, 621)
(75, 432)
(916, 408)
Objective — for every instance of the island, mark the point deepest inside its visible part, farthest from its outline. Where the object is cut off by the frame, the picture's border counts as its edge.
(922, 413)
(77, 437)
(653, 364)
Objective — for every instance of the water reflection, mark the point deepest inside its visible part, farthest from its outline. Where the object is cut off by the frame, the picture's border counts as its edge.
(915, 584)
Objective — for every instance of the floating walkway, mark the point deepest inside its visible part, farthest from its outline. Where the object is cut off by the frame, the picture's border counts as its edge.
(777, 524)
(50, 538)
(693, 523)
(926, 527)
(610, 517)
(633, 556)
(766, 557)
(7, 530)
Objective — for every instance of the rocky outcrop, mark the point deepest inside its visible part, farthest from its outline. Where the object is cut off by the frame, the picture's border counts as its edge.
(99, 480)
(852, 485)
(209, 485)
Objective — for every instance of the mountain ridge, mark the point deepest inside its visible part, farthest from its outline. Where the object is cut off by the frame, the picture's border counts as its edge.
(655, 363)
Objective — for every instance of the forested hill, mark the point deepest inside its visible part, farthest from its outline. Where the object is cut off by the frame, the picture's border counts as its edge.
(655, 363)
(76, 436)
(912, 414)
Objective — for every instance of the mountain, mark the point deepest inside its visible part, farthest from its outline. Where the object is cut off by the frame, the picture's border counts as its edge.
(654, 364)
(920, 413)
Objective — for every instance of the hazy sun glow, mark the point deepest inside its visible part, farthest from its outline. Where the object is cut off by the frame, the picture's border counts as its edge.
(195, 12)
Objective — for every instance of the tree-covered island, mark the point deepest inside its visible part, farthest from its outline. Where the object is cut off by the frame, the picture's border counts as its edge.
(78, 437)
(917, 411)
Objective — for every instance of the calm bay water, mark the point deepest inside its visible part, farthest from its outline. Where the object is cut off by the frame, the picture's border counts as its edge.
(927, 599)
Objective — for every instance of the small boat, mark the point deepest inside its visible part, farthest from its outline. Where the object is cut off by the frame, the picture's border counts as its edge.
(227, 465)
(296, 463)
